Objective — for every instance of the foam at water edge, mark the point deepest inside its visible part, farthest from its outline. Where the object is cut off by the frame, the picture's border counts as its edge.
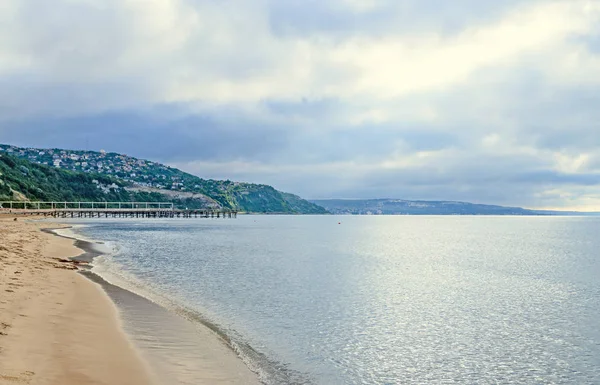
(72, 232)
(106, 267)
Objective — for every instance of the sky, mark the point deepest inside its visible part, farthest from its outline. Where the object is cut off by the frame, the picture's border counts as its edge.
(482, 101)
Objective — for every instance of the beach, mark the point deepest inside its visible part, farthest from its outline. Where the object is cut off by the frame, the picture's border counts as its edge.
(302, 300)
(56, 326)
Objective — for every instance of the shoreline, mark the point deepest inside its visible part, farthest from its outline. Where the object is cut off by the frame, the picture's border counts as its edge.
(57, 326)
(178, 350)
(88, 253)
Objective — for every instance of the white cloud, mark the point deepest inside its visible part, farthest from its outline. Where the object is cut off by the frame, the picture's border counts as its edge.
(570, 163)
(226, 53)
(397, 65)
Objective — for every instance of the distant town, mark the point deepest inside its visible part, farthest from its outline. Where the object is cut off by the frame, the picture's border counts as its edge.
(140, 172)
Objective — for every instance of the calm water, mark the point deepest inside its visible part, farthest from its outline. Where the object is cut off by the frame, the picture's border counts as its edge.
(380, 300)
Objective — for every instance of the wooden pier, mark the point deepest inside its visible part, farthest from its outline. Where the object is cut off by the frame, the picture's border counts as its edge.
(109, 210)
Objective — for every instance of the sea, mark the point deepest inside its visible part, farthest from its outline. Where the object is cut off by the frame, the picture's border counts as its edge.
(367, 299)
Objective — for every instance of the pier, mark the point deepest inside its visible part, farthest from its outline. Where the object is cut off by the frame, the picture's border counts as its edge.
(109, 210)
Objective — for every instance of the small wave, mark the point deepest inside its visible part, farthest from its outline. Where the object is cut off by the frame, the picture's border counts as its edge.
(106, 264)
(73, 231)
(268, 370)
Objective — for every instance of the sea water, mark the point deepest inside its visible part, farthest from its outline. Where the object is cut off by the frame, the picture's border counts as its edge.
(377, 300)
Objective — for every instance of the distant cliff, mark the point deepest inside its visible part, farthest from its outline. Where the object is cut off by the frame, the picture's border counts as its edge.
(140, 177)
(407, 207)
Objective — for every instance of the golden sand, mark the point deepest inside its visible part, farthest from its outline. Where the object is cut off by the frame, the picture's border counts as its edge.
(56, 326)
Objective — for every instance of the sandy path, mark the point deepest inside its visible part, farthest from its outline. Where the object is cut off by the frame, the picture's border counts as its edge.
(56, 326)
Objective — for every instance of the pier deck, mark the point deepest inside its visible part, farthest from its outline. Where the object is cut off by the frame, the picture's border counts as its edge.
(109, 210)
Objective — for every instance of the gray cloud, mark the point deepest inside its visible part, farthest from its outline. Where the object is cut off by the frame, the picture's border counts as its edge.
(411, 99)
(313, 17)
(166, 137)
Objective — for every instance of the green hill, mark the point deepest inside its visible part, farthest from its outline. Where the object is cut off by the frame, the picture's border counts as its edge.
(64, 170)
(23, 180)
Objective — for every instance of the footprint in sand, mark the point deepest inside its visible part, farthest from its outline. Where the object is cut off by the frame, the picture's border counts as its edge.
(23, 378)
(3, 327)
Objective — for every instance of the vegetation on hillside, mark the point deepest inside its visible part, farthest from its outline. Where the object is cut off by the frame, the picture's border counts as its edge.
(142, 173)
(59, 175)
(23, 180)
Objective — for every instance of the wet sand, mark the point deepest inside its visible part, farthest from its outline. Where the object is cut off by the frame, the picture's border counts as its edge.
(180, 351)
(56, 326)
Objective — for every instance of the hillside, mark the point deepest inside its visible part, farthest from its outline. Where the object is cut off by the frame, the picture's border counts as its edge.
(23, 180)
(143, 176)
(406, 207)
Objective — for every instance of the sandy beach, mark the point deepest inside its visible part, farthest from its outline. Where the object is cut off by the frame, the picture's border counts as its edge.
(56, 326)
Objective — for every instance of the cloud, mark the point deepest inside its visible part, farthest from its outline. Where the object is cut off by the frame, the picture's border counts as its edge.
(181, 51)
(468, 100)
(376, 18)
(164, 134)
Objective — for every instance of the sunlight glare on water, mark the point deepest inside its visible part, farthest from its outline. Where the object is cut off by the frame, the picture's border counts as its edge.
(384, 300)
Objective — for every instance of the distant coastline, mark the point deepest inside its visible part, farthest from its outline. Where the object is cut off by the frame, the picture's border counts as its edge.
(422, 207)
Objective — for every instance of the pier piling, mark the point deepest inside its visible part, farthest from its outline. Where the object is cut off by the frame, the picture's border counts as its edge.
(109, 210)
